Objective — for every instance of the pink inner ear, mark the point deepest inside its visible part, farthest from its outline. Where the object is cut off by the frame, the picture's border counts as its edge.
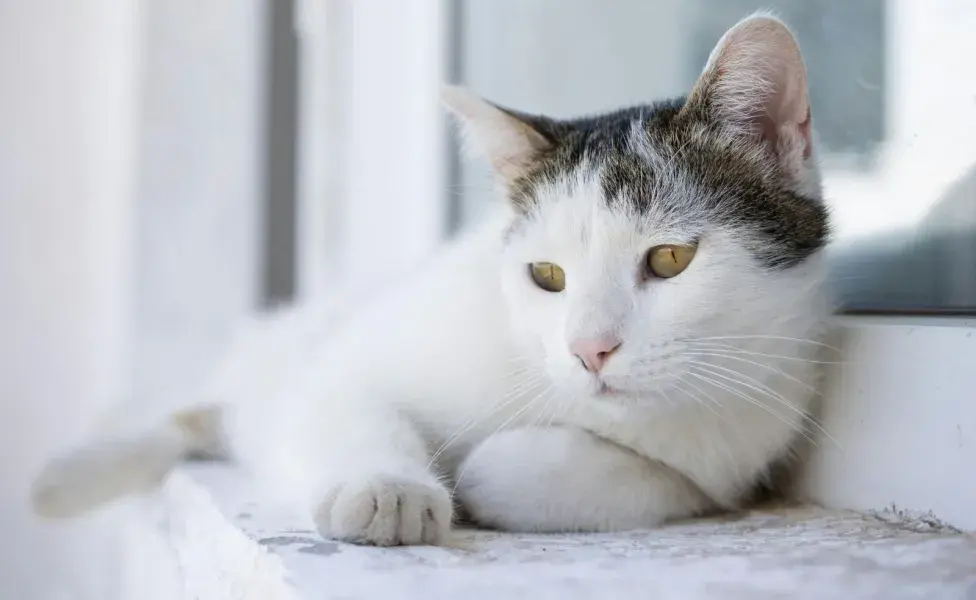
(770, 130)
(804, 128)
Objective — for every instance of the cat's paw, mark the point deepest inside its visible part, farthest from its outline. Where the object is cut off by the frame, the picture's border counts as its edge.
(385, 511)
(562, 479)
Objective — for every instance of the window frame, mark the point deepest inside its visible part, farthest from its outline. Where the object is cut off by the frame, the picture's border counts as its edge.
(376, 202)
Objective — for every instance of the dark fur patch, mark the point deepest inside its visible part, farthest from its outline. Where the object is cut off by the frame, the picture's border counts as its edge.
(737, 190)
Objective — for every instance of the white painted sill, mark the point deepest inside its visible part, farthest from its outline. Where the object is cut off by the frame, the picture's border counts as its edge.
(207, 536)
(902, 407)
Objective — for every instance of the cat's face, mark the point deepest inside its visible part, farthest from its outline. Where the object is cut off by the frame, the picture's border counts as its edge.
(646, 241)
(656, 288)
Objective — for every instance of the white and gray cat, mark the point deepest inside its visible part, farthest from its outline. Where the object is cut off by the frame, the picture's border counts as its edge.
(630, 339)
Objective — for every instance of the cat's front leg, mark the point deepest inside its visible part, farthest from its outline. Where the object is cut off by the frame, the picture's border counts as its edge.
(373, 483)
(565, 479)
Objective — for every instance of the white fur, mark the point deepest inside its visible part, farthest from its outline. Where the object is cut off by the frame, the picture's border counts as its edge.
(460, 381)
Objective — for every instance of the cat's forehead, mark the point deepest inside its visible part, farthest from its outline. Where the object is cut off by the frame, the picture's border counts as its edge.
(643, 171)
(575, 212)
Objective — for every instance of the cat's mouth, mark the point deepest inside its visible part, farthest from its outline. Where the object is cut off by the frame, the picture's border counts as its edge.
(604, 389)
(616, 391)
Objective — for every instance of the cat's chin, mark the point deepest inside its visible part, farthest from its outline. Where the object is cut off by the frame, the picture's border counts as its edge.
(649, 395)
(605, 390)
(598, 390)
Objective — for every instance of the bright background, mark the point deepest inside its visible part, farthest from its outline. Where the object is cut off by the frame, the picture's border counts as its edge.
(169, 167)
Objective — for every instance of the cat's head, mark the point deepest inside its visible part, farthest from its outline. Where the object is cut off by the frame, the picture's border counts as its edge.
(644, 240)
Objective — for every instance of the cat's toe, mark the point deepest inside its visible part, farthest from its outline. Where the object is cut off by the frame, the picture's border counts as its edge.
(385, 511)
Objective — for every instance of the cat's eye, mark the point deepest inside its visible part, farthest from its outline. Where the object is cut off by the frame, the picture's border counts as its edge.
(548, 276)
(668, 260)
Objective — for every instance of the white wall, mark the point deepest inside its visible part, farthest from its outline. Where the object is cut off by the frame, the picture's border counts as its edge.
(201, 182)
(900, 409)
(68, 72)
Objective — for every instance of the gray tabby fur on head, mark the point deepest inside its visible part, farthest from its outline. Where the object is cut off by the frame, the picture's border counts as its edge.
(736, 152)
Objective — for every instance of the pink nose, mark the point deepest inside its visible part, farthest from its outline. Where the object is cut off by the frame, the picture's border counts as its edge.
(594, 353)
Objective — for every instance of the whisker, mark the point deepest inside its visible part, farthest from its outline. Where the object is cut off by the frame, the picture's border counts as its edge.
(758, 364)
(694, 397)
(516, 372)
(797, 427)
(468, 425)
(762, 337)
(709, 397)
(762, 389)
(560, 404)
(542, 411)
(509, 398)
(737, 350)
(526, 385)
(664, 394)
(549, 390)
(520, 363)
(701, 391)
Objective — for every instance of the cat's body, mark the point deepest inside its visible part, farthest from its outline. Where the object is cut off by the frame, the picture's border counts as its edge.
(612, 391)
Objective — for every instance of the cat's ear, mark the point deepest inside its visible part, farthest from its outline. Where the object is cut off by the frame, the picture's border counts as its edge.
(511, 141)
(755, 83)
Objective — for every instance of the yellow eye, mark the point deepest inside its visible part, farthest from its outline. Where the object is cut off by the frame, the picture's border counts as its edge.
(667, 261)
(548, 276)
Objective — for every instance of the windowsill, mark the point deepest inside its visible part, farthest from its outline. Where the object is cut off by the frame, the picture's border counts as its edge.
(915, 317)
(216, 539)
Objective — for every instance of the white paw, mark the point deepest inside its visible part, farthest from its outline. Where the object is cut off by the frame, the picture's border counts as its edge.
(563, 479)
(385, 511)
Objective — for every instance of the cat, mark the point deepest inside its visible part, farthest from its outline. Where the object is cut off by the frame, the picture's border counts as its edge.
(629, 339)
